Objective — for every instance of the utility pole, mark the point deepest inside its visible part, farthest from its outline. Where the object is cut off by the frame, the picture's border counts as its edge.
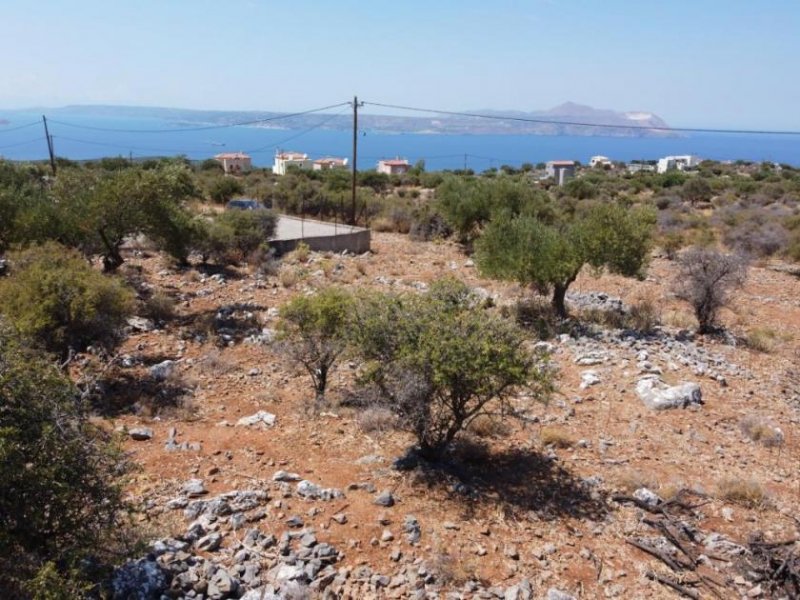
(49, 146)
(465, 163)
(355, 159)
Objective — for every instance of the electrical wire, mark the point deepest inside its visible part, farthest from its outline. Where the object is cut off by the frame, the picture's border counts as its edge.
(18, 127)
(583, 124)
(39, 139)
(295, 136)
(122, 145)
(202, 128)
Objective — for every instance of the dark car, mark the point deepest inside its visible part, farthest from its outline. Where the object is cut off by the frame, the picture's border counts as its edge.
(244, 204)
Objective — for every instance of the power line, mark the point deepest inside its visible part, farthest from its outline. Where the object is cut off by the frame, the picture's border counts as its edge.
(583, 124)
(203, 128)
(122, 146)
(18, 127)
(39, 139)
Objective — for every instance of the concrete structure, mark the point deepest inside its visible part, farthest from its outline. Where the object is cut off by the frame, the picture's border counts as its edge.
(394, 166)
(320, 236)
(234, 162)
(560, 170)
(324, 164)
(680, 163)
(285, 160)
(600, 161)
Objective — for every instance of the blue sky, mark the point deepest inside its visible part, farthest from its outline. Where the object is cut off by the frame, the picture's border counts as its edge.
(709, 63)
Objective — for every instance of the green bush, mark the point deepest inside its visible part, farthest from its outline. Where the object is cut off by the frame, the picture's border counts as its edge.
(59, 303)
(225, 188)
(439, 361)
(59, 501)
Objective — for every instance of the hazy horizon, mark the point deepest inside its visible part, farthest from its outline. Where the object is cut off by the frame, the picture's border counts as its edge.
(692, 64)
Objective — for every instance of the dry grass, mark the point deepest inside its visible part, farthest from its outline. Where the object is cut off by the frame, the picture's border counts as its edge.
(300, 254)
(557, 437)
(644, 314)
(679, 319)
(632, 480)
(216, 364)
(361, 267)
(747, 492)
(762, 431)
(159, 307)
(485, 426)
(327, 267)
(288, 277)
(376, 419)
(763, 339)
(382, 224)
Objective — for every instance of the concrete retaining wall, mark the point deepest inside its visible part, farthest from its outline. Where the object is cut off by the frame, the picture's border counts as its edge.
(320, 236)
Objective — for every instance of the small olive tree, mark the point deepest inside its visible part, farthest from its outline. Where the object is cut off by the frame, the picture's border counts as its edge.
(439, 361)
(705, 279)
(313, 330)
(549, 257)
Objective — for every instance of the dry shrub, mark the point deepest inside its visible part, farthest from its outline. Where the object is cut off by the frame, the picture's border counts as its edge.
(450, 571)
(644, 315)
(550, 435)
(376, 419)
(485, 426)
(761, 339)
(761, 430)
(747, 492)
(361, 267)
(382, 224)
(611, 319)
(288, 277)
(327, 267)
(159, 307)
(537, 314)
(470, 449)
(678, 319)
(301, 253)
(632, 480)
(216, 364)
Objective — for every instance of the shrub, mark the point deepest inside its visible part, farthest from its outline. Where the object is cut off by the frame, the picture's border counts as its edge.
(556, 437)
(440, 362)
(59, 500)
(376, 419)
(762, 430)
(247, 230)
(644, 315)
(59, 303)
(382, 224)
(225, 188)
(429, 226)
(288, 277)
(705, 280)
(747, 492)
(313, 331)
(159, 307)
(301, 253)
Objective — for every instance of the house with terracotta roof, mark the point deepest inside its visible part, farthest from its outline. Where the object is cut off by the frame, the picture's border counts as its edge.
(560, 170)
(394, 166)
(234, 162)
(325, 164)
(286, 160)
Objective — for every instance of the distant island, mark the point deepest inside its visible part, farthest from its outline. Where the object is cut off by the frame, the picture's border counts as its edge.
(593, 121)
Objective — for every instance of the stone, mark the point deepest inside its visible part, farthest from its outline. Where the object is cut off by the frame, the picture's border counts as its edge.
(657, 395)
(387, 536)
(210, 542)
(141, 324)
(221, 585)
(385, 498)
(142, 579)
(412, 529)
(647, 496)
(556, 594)
(589, 378)
(141, 434)
(261, 419)
(285, 476)
(163, 370)
(194, 488)
(511, 552)
(310, 490)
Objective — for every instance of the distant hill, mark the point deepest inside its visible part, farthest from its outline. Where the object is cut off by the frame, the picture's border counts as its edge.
(566, 119)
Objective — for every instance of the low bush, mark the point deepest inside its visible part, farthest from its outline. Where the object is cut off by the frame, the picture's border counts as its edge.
(748, 492)
(762, 431)
(159, 307)
(557, 437)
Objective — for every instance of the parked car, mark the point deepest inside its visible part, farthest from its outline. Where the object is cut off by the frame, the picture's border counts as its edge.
(244, 204)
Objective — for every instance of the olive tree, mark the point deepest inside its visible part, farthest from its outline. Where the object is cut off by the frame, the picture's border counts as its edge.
(705, 279)
(313, 330)
(549, 257)
(439, 360)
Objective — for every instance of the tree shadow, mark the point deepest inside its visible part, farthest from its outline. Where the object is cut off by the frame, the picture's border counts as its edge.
(223, 324)
(124, 393)
(518, 480)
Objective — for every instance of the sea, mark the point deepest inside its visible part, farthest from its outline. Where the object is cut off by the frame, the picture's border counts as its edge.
(89, 137)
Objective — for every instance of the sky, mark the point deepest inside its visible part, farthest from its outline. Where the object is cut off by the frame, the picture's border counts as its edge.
(695, 63)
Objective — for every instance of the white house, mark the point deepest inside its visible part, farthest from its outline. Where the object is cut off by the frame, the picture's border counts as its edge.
(600, 161)
(395, 166)
(284, 160)
(680, 163)
(234, 162)
(325, 164)
(560, 170)
(637, 166)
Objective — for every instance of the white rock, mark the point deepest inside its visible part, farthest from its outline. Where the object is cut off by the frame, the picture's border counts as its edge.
(261, 418)
(162, 370)
(657, 395)
(589, 378)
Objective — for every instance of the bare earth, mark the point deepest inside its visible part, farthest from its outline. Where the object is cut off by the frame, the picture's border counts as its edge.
(518, 514)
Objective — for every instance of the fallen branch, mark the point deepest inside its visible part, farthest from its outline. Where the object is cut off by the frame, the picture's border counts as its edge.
(682, 589)
(667, 560)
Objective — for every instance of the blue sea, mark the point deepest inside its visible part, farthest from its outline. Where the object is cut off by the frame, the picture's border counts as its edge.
(82, 137)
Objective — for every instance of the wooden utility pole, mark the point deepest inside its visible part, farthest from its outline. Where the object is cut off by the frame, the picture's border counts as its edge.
(49, 146)
(355, 159)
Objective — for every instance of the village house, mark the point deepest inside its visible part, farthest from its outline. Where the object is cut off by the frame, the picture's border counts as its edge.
(395, 166)
(600, 161)
(325, 164)
(679, 163)
(560, 170)
(234, 162)
(636, 166)
(285, 160)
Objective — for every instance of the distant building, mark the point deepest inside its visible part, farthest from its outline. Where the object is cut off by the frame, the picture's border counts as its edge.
(395, 166)
(600, 161)
(234, 162)
(560, 170)
(636, 166)
(324, 164)
(680, 163)
(285, 160)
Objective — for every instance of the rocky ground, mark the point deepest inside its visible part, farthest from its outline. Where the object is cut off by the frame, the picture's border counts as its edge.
(629, 480)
